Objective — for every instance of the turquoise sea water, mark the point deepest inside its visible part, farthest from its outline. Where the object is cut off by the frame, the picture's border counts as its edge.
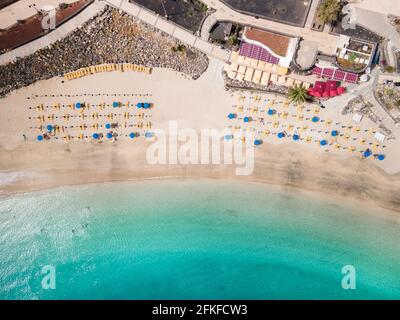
(193, 240)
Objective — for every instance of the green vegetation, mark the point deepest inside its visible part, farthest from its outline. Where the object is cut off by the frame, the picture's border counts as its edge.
(233, 40)
(329, 10)
(179, 48)
(298, 94)
(389, 69)
(352, 56)
(203, 6)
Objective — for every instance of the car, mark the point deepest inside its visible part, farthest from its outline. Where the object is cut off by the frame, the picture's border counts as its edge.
(396, 84)
(387, 81)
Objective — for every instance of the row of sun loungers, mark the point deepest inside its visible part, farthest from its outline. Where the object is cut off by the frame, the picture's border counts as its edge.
(237, 59)
(242, 73)
(106, 68)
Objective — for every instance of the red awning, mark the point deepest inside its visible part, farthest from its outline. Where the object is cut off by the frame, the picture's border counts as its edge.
(333, 93)
(341, 90)
(325, 94)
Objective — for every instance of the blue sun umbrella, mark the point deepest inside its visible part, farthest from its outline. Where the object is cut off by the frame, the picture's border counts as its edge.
(49, 127)
(314, 119)
(148, 134)
(334, 133)
(296, 137)
(281, 135)
(323, 143)
(139, 105)
(96, 136)
(228, 137)
(271, 112)
(367, 153)
(109, 135)
(132, 135)
(115, 104)
(381, 157)
(231, 116)
(40, 137)
(146, 105)
(246, 119)
(258, 142)
(108, 126)
(78, 105)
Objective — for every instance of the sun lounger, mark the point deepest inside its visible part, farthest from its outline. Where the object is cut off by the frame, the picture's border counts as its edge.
(257, 76)
(282, 80)
(234, 56)
(268, 66)
(249, 74)
(281, 70)
(242, 69)
(261, 65)
(274, 68)
(265, 78)
(232, 74)
(380, 136)
(241, 60)
(274, 78)
(247, 61)
(357, 118)
(240, 77)
(290, 81)
(254, 63)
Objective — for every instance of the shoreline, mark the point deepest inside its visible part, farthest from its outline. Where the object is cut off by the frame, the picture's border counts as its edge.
(349, 187)
(349, 201)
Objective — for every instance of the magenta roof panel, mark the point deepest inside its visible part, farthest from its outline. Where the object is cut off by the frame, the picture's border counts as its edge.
(336, 74)
(257, 52)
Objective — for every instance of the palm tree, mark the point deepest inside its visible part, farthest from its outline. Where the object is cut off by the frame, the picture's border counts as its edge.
(329, 10)
(298, 94)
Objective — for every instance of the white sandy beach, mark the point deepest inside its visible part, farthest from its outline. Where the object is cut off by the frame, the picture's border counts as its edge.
(201, 104)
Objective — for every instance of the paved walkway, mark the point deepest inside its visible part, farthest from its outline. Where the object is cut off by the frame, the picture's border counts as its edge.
(206, 27)
(326, 42)
(59, 33)
(130, 8)
(20, 10)
(172, 29)
(311, 13)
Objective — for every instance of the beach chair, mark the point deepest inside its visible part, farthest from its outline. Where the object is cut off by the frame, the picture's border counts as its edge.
(379, 136)
(234, 57)
(308, 139)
